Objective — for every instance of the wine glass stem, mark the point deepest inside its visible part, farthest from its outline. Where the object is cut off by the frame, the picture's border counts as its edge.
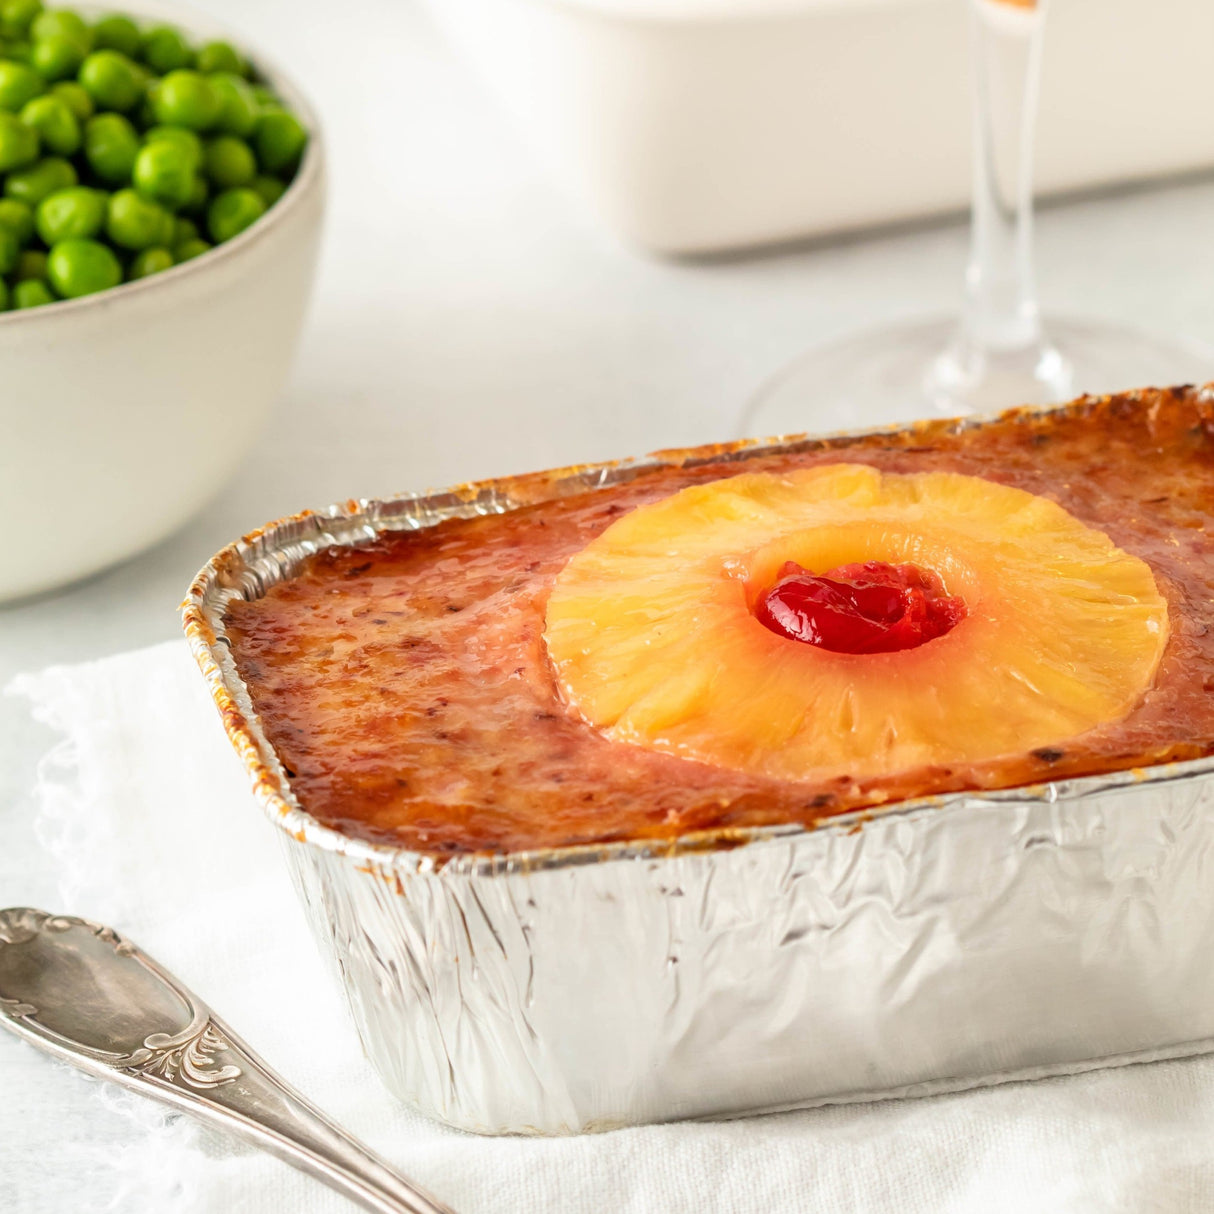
(1001, 311)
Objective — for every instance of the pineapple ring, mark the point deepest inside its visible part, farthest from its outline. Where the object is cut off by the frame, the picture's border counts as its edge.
(653, 641)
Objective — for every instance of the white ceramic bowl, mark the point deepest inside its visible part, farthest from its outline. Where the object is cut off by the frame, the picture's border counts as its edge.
(100, 397)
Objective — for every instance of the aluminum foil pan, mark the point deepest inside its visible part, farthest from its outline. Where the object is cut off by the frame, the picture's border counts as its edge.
(936, 945)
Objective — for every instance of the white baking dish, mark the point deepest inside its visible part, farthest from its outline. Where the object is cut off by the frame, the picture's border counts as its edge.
(699, 125)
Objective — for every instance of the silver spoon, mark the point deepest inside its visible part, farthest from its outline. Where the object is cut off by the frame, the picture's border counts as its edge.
(82, 993)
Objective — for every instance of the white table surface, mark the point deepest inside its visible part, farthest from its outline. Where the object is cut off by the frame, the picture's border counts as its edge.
(470, 322)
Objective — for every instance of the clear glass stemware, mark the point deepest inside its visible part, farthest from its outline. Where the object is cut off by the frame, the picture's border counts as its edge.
(999, 353)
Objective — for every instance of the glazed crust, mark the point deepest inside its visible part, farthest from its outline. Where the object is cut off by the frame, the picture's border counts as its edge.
(406, 688)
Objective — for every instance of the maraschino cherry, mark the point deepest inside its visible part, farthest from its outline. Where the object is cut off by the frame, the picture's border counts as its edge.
(872, 607)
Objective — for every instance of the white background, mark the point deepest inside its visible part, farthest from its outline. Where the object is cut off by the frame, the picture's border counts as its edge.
(469, 322)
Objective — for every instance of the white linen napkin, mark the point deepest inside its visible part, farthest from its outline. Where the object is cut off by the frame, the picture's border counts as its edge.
(145, 809)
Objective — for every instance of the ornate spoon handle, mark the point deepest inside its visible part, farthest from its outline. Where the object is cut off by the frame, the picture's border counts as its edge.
(81, 992)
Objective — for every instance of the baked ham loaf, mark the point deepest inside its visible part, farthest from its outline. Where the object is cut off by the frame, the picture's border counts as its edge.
(741, 639)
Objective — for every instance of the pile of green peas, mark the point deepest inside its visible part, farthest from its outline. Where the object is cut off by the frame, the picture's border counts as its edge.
(124, 151)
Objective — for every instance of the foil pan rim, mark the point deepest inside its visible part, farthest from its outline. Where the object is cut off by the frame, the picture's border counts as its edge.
(259, 560)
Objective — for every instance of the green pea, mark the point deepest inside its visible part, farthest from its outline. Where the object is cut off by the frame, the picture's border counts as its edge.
(10, 250)
(18, 51)
(116, 33)
(183, 230)
(18, 84)
(266, 97)
(55, 122)
(75, 98)
(82, 267)
(229, 161)
(232, 212)
(150, 261)
(186, 99)
(164, 171)
(16, 15)
(189, 249)
(18, 217)
(36, 182)
(239, 108)
(32, 293)
(145, 73)
(19, 143)
(75, 214)
(31, 264)
(57, 57)
(110, 147)
(270, 188)
(199, 197)
(165, 50)
(279, 140)
(220, 57)
(135, 222)
(187, 140)
(112, 80)
(61, 23)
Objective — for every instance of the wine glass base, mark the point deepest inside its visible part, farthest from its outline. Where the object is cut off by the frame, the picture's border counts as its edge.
(905, 372)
